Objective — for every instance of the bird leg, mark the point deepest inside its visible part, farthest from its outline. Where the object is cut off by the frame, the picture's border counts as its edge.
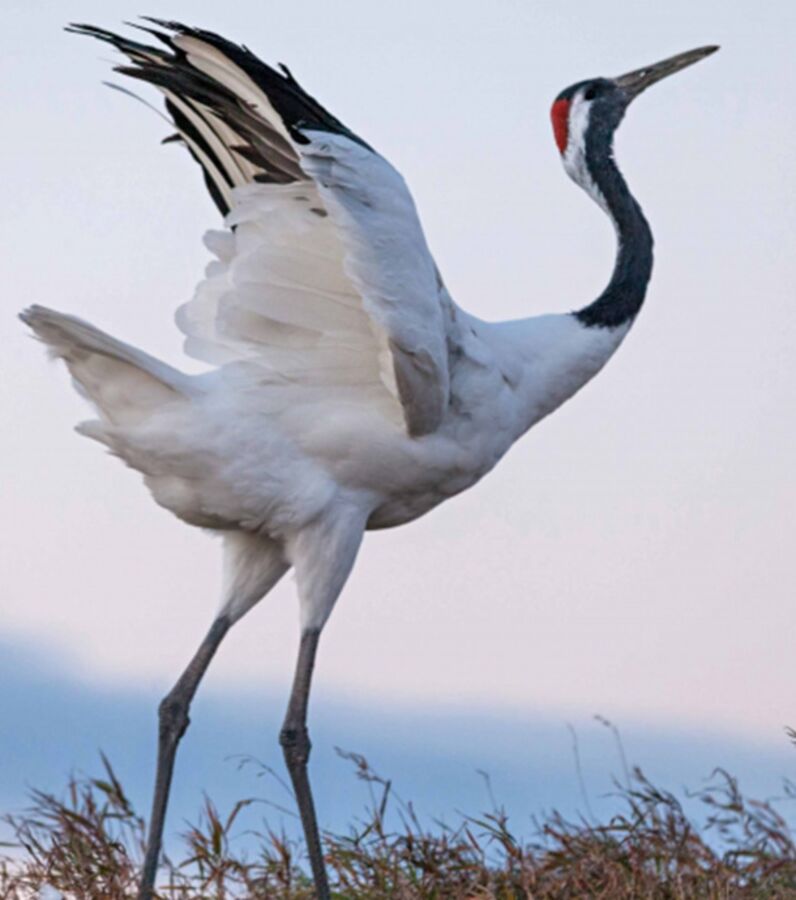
(173, 722)
(295, 742)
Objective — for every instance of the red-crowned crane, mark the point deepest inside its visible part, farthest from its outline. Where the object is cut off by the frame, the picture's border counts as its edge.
(349, 390)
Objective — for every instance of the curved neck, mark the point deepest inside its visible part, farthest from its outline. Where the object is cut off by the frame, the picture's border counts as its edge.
(621, 300)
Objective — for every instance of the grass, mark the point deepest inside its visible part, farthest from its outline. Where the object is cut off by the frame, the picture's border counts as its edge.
(88, 844)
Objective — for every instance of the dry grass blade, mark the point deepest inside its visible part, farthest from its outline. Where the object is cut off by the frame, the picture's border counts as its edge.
(88, 845)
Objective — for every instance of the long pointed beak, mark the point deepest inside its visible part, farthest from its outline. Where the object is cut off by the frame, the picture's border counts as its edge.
(633, 83)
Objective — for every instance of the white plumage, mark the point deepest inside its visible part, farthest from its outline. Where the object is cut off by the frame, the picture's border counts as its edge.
(346, 379)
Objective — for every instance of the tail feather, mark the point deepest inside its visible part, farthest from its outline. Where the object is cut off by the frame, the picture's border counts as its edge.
(125, 384)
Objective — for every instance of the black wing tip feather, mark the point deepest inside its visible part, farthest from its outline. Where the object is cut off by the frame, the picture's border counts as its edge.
(172, 71)
(298, 109)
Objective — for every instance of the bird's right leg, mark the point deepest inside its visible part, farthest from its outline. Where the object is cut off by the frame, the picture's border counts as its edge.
(322, 555)
(253, 565)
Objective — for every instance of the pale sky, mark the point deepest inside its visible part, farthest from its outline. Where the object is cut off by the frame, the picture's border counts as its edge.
(633, 554)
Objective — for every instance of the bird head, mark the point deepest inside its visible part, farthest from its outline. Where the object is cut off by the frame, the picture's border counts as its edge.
(586, 115)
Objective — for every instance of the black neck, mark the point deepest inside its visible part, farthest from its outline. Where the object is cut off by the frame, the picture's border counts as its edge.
(622, 298)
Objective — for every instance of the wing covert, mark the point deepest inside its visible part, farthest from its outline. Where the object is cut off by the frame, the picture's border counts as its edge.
(389, 263)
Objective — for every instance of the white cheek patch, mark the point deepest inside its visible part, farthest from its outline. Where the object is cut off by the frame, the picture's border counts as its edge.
(574, 157)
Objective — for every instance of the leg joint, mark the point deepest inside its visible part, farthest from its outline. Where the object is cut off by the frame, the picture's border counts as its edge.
(173, 717)
(295, 741)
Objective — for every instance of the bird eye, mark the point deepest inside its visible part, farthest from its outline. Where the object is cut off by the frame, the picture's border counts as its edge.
(590, 93)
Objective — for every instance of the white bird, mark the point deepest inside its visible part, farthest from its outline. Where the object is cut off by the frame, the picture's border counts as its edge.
(349, 391)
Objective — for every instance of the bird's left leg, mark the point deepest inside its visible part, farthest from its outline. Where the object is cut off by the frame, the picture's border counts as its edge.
(173, 722)
(322, 555)
(253, 564)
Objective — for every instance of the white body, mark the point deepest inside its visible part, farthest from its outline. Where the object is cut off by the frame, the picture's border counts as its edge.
(350, 391)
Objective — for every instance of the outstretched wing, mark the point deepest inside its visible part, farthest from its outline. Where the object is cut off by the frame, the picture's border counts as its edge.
(323, 276)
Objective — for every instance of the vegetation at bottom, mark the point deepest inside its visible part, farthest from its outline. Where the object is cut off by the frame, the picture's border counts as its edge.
(88, 845)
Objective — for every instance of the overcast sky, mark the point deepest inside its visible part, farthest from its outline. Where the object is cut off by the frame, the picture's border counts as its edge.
(633, 555)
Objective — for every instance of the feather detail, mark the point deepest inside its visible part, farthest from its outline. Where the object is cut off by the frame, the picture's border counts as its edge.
(324, 276)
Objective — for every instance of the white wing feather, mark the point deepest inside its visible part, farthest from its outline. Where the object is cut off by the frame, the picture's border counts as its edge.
(327, 282)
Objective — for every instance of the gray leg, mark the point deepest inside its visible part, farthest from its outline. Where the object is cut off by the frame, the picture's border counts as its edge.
(174, 721)
(253, 564)
(295, 743)
(322, 554)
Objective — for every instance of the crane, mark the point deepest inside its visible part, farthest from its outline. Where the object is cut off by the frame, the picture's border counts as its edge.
(348, 391)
